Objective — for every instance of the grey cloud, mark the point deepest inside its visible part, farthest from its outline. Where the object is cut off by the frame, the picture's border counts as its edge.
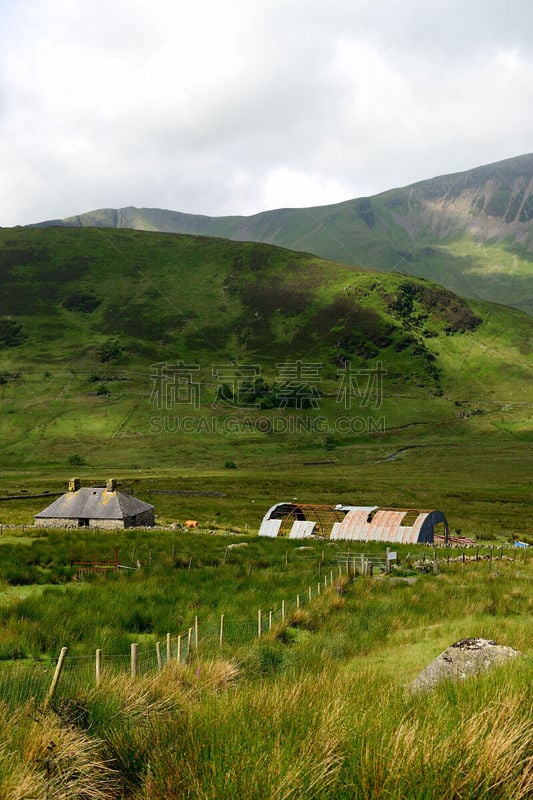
(201, 107)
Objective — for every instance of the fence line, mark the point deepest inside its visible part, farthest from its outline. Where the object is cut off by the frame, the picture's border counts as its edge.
(22, 682)
(80, 673)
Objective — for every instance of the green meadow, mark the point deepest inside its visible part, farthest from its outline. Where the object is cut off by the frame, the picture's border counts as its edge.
(319, 706)
(299, 378)
(213, 379)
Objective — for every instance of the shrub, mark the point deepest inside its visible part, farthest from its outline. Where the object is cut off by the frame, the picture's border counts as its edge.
(11, 333)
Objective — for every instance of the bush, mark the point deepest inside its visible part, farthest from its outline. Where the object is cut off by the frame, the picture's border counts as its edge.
(11, 333)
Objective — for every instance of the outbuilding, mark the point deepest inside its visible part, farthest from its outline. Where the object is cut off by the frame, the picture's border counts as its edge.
(96, 507)
(355, 523)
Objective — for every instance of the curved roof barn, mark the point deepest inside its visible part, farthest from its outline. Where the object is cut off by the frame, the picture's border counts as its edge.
(353, 523)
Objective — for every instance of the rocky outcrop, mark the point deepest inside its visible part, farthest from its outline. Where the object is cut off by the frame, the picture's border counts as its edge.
(464, 658)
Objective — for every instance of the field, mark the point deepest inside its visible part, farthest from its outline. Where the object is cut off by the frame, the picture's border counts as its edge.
(189, 364)
(300, 379)
(482, 484)
(318, 707)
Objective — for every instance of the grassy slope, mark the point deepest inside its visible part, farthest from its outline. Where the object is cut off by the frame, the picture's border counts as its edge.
(455, 406)
(470, 232)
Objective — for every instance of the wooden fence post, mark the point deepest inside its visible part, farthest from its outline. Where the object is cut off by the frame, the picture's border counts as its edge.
(270, 620)
(196, 633)
(57, 675)
(259, 624)
(283, 610)
(221, 636)
(169, 648)
(98, 667)
(189, 642)
(297, 601)
(318, 586)
(159, 658)
(178, 654)
(134, 658)
(310, 593)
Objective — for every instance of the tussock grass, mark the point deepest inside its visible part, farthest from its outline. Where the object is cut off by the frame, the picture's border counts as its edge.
(469, 740)
(319, 707)
(47, 760)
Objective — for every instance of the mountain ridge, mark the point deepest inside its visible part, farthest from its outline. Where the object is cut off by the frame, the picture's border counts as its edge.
(470, 231)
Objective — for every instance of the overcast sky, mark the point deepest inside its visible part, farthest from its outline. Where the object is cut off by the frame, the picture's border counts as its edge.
(237, 106)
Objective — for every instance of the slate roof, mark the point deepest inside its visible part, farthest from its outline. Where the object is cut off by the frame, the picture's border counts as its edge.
(94, 503)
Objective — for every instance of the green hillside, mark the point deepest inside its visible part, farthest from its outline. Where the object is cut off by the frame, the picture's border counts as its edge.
(471, 232)
(153, 354)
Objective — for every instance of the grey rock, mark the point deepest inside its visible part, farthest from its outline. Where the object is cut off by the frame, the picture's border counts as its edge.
(464, 658)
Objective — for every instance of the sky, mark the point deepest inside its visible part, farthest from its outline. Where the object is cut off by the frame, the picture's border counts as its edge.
(238, 106)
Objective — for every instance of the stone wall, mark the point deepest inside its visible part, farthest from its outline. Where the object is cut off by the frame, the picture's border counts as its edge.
(55, 522)
(60, 522)
(143, 520)
(107, 524)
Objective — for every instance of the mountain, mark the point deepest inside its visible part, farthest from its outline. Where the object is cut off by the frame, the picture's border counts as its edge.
(471, 231)
(111, 339)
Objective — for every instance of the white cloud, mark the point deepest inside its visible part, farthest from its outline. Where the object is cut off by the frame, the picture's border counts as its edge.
(234, 107)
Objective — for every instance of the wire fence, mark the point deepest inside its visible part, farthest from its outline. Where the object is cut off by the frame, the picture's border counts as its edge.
(71, 675)
(21, 682)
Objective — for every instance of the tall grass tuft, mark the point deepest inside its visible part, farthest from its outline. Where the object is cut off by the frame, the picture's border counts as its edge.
(52, 761)
(472, 740)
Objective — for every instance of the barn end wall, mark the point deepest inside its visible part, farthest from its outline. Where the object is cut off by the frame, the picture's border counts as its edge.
(146, 519)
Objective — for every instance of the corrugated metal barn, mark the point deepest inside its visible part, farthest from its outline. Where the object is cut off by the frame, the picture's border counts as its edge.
(96, 507)
(354, 523)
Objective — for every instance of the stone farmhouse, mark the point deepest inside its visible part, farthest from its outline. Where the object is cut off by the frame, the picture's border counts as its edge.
(95, 507)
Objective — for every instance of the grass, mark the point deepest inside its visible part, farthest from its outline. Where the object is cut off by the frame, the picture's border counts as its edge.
(76, 394)
(481, 483)
(317, 708)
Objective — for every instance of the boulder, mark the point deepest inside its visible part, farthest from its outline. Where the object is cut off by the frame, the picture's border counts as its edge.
(464, 658)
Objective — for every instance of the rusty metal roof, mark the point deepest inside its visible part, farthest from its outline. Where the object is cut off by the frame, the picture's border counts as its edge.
(353, 523)
(385, 525)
